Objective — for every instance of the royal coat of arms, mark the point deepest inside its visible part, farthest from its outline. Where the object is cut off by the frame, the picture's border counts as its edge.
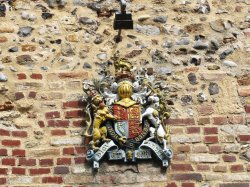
(125, 116)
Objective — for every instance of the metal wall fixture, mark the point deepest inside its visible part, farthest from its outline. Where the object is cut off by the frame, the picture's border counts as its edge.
(122, 20)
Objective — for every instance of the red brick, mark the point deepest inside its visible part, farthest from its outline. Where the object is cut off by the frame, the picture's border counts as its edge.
(187, 176)
(18, 171)
(215, 149)
(4, 132)
(187, 184)
(205, 109)
(73, 104)
(247, 108)
(81, 74)
(244, 91)
(39, 171)
(86, 140)
(3, 39)
(21, 76)
(19, 95)
(46, 162)
(181, 121)
(9, 161)
(191, 69)
(61, 170)
(3, 171)
(3, 152)
(236, 119)
(244, 80)
(74, 114)
(27, 162)
(200, 149)
(78, 123)
(244, 138)
(211, 139)
(176, 130)
(21, 134)
(182, 167)
(58, 123)
(52, 115)
(56, 180)
(32, 95)
(41, 124)
(80, 150)
(229, 158)
(11, 143)
(220, 120)
(179, 157)
(80, 160)
(172, 184)
(36, 76)
(183, 148)
(203, 121)
(69, 151)
(3, 181)
(18, 152)
(58, 132)
(210, 130)
(220, 168)
(237, 168)
(63, 161)
(234, 185)
(193, 130)
(203, 167)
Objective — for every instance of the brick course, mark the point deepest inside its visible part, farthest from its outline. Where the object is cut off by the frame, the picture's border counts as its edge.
(42, 115)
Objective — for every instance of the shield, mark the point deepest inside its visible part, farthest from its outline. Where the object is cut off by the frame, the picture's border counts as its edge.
(128, 120)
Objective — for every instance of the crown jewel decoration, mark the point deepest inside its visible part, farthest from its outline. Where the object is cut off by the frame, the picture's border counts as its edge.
(125, 116)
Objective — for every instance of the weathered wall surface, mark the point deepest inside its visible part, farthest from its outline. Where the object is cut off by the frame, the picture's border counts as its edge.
(201, 48)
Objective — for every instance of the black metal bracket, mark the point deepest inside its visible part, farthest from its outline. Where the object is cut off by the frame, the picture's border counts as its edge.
(122, 20)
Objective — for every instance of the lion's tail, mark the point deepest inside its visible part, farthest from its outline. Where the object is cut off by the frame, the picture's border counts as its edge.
(88, 122)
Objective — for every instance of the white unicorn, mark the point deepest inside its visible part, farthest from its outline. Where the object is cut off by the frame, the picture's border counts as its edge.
(151, 113)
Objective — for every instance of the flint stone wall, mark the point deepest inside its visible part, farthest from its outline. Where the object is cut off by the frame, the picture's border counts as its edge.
(200, 48)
